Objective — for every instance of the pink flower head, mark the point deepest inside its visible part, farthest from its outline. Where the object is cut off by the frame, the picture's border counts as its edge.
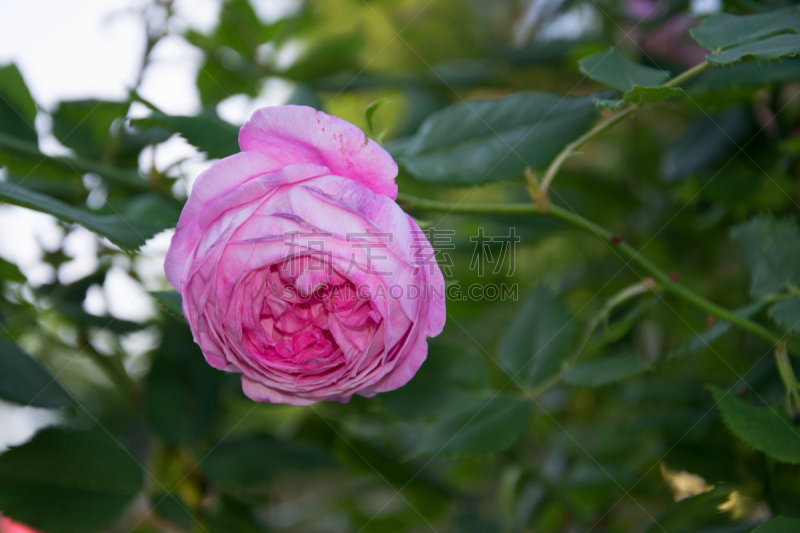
(298, 269)
(9, 526)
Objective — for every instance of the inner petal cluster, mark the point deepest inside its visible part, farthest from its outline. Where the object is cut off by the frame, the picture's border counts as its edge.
(305, 319)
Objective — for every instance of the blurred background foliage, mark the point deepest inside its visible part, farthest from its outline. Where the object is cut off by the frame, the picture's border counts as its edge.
(640, 411)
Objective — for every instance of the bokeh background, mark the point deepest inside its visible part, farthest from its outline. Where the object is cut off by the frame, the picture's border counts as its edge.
(642, 450)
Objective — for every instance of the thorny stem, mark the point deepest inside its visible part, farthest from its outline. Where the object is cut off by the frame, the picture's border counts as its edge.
(662, 278)
(612, 119)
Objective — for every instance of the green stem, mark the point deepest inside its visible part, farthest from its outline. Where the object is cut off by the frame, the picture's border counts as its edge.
(624, 248)
(569, 149)
(602, 126)
(682, 77)
(129, 179)
(789, 379)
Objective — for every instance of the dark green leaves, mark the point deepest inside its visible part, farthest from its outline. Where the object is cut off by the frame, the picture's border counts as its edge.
(25, 381)
(66, 481)
(538, 341)
(180, 399)
(765, 429)
(496, 139)
(254, 460)
(765, 36)
(766, 50)
(17, 108)
(169, 300)
(85, 125)
(771, 248)
(780, 524)
(606, 370)
(724, 30)
(615, 70)
(482, 426)
(124, 231)
(207, 132)
(450, 375)
(640, 84)
(787, 313)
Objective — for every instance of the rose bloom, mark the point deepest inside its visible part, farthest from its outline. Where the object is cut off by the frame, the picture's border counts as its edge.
(9, 526)
(298, 269)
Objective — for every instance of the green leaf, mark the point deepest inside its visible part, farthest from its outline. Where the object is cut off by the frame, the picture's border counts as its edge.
(612, 68)
(605, 103)
(125, 232)
(444, 381)
(171, 507)
(538, 341)
(724, 30)
(787, 313)
(169, 300)
(370, 113)
(769, 49)
(699, 342)
(254, 460)
(67, 481)
(206, 131)
(647, 95)
(85, 125)
(496, 139)
(765, 429)
(709, 141)
(779, 524)
(748, 74)
(10, 272)
(603, 371)
(181, 389)
(484, 425)
(771, 248)
(25, 381)
(17, 108)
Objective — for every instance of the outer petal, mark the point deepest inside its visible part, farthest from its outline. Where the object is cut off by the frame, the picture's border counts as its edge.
(224, 186)
(299, 134)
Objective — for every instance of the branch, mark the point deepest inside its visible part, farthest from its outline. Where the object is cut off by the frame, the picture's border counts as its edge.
(614, 118)
(577, 221)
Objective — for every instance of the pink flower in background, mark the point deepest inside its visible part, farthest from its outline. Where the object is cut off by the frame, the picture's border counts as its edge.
(9, 526)
(298, 269)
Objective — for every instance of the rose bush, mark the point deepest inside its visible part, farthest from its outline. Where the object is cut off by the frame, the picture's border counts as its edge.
(298, 269)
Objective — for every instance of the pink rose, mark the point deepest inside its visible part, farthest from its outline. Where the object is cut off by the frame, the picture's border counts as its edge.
(299, 270)
(9, 526)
